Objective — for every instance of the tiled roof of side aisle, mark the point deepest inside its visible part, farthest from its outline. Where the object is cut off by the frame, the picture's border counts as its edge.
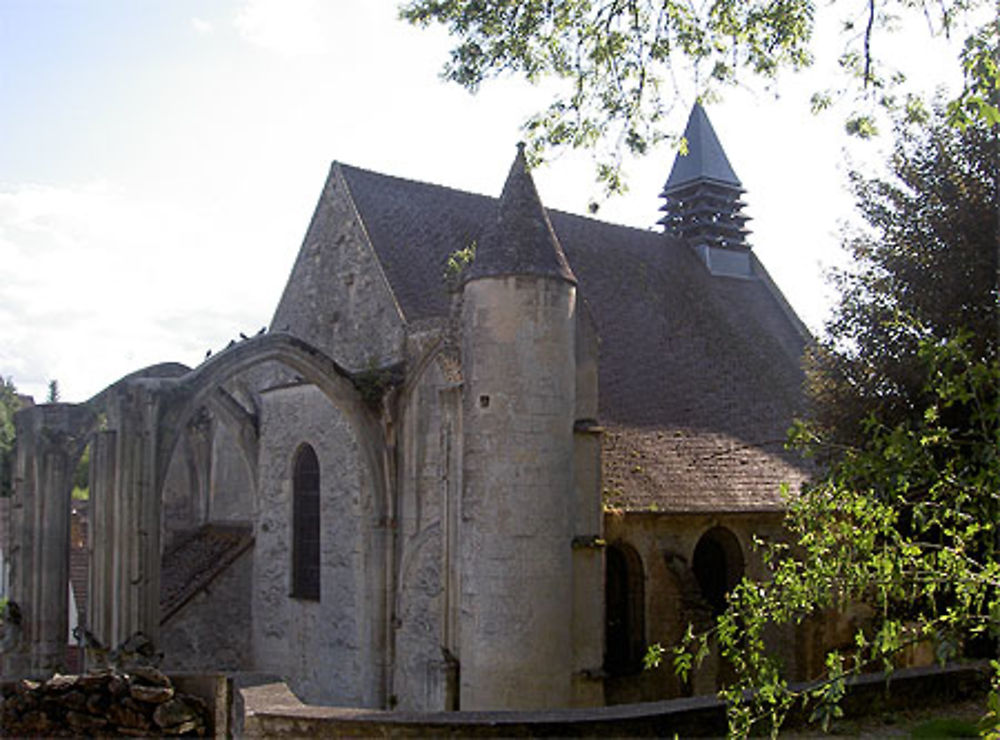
(681, 349)
(196, 560)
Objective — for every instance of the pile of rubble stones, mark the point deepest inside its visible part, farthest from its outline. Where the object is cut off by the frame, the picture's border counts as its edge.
(140, 703)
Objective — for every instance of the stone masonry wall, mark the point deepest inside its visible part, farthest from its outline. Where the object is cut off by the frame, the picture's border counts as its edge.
(517, 510)
(212, 631)
(665, 543)
(420, 676)
(324, 647)
(337, 298)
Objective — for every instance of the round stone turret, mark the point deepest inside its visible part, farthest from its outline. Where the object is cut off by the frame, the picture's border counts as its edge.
(516, 525)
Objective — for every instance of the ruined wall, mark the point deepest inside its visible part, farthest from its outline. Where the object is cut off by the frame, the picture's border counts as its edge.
(325, 647)
(212, 631)
(232, 488)
(424, 672)
(184, 509)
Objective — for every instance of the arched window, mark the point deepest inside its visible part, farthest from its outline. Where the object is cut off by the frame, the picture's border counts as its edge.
(305, 524)
(718, 566)
(624, 610)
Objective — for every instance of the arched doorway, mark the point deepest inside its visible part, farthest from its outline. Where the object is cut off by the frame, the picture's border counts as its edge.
(718, 566)
(624, 610)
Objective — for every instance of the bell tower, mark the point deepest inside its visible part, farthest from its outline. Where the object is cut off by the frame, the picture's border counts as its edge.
(703, 201)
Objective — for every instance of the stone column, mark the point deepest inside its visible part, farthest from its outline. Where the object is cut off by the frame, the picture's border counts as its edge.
(135, 516)
(50, 440)
(103, 475)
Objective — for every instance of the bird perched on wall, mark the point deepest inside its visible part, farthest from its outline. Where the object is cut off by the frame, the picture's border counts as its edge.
(263, 330)
(11, 627)
(136, 650)
(208, 354)
(243, 336)
(97, 654)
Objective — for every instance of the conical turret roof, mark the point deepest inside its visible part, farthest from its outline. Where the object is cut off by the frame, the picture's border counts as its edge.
(519, 239)
(705, 159)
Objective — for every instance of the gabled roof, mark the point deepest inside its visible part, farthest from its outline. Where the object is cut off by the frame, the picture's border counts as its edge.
(705, 159)
(518, 239)
(684, 354)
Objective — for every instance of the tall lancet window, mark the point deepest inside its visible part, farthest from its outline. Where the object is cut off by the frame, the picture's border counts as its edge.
(305, 524)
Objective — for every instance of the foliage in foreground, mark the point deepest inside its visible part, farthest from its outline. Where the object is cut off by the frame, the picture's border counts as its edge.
(905, 523)
(620, 64)
(926, 258)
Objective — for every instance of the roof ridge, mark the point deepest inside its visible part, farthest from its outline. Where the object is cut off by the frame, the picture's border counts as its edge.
(651, 229)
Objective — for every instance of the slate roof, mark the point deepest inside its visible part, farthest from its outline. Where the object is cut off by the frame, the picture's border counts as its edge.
(691, 365)
(705, 158)
(518, 239)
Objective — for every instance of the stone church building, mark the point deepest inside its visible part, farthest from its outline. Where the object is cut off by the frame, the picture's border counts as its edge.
(436, 483)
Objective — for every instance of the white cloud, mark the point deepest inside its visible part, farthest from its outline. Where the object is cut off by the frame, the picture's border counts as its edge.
(96, 283)
(290, 27)
(201, 26)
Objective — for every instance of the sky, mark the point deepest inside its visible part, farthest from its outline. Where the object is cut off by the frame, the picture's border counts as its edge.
(160, 161)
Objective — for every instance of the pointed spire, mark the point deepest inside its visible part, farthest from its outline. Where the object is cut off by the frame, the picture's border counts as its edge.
(705, 158)
(702, 195)
(519, 239)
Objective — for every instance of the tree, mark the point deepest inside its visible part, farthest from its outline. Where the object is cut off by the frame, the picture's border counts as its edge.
(9, 404)
(904, 516)
(925, 268)
(618, 60)
(54, 395)
(906, 522)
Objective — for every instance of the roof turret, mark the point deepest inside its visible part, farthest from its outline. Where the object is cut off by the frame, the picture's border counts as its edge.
(518, 239)
(702, 195)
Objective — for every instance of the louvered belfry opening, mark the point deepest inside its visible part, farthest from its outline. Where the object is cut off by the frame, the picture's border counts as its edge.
(305, 525)
(705, 212)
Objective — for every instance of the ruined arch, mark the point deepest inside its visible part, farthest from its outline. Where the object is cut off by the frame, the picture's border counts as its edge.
(718, 565)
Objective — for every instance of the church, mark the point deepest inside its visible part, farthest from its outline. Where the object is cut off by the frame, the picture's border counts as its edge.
(484, 454)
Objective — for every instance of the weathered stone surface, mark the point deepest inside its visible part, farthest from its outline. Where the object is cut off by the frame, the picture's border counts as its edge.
(60, 682)
(327, 648)
(178, 713)
(84, 722)
(97, 703)
(34, 722)
(150, 676)
(25, 686)
(103, 705)
(123, 716)
(118, 685)
(151, 694)
(75, 700)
